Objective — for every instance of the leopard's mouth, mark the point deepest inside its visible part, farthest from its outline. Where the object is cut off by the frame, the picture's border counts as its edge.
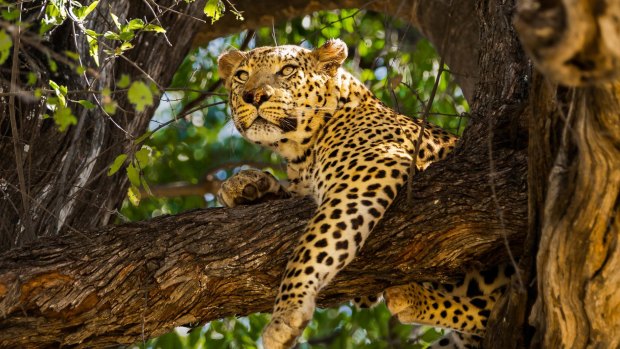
(286, 124)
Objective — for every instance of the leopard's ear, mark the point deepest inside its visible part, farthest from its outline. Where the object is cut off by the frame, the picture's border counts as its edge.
(331, 55)
(226, 64)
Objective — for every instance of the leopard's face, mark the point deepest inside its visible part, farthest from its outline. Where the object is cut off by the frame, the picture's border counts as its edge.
(281, 96)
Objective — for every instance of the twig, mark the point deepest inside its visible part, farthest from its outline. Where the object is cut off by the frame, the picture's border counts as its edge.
(29, 235)
(177, 12)
(413, 168)
(40, 206)
(171, 121)
(36, 43)
(157, 19)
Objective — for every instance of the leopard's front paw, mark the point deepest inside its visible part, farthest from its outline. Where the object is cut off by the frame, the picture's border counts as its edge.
(250, 187)
(284, 328)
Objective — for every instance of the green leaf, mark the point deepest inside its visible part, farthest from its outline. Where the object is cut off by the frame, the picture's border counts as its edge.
(53, 65)
(93, 45)
(140, 95)
(146, 135)
(86, 104)
(124, 81)
(72, 55)
(111, 35)
(5, 46)
(64, 118)
(116, 164)
(134, 24)
(126, 35)
(143, 155)
(134, 175)
(32, 78)
(214, 9)
(84, 11)
(133, 193)
(115, 19)
(154, 28)
(54, 85)
(126, 46)
(10, 14)
(110, 108)
(60, 91)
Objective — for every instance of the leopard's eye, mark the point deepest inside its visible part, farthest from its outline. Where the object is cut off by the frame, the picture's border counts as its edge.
(242, 75)
(287, 70)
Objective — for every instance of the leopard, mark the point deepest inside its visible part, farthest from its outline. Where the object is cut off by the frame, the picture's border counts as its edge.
(351, 153)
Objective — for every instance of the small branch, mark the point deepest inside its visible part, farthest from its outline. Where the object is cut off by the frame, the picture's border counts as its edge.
(28, 233)
(413, 168)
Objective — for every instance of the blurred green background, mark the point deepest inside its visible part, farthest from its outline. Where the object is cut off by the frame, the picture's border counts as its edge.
(195, 146)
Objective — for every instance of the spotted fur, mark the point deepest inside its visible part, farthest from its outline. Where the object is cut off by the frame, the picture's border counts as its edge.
(351, 153)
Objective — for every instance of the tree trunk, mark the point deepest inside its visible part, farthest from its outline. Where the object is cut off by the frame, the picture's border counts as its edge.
(571, 249)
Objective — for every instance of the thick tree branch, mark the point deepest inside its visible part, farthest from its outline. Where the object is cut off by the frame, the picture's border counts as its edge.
(102, 287)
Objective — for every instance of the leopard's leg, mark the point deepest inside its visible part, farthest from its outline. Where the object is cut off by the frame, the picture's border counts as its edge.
(457, 340)
(463, 306)
(421, 303)
(345, 216)
(250, 187)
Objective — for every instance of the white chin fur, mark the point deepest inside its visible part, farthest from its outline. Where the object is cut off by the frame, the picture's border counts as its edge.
(263, 132)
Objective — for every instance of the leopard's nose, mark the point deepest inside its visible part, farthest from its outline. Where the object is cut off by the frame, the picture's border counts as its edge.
(256, 97)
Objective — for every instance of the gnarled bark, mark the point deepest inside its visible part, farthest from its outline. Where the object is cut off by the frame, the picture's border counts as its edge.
(574, 42)
(574, 181)
(118, 283)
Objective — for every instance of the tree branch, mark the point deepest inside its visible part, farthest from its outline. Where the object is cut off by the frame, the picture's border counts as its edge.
(207, 264)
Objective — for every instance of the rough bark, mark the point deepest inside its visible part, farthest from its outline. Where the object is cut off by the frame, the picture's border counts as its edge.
(579, 256)
(573, 42)
(505, 86)
(573, 178)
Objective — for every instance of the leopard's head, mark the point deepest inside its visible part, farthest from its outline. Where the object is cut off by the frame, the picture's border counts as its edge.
(281, 96)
